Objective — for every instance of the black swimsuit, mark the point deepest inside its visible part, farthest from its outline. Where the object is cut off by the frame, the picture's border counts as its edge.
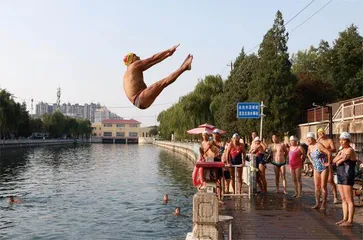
(345, 172)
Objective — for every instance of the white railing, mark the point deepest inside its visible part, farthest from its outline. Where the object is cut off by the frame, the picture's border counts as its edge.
(350, 110)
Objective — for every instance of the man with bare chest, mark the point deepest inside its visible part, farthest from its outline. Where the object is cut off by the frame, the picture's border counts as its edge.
(135, 88)
(279, 153)
(329, 144)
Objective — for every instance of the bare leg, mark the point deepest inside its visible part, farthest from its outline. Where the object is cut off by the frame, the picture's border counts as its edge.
(277, 178)
(283, 175)
(231, 171)
(332, 184)
(293, 175)
(324, 190)
(317, 183)
(348, 193)
(148, 95)
(299, 182)
(261, 169)
(344, 205)
(239, 171)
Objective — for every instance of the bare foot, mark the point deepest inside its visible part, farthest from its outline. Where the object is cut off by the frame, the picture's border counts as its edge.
(340, 222)
(346, 224)
(285, 192)
(187, 64)
(336, 201)
(299, 196)
(316, 206)
(294, 195)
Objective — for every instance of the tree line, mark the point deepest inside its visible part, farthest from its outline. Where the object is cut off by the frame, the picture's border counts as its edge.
(15, 121)
(287, 85)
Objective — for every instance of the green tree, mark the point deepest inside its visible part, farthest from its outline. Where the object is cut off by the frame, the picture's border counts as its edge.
(347, 54)
(274, 83)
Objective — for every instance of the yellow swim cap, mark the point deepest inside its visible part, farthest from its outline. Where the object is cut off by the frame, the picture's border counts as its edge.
(128, 58)
(321, 130)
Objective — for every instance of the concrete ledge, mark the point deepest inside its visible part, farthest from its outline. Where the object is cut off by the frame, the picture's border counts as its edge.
(7, 144)
(190, 150)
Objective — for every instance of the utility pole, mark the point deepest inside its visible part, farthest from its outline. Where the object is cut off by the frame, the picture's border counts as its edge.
(230, 65)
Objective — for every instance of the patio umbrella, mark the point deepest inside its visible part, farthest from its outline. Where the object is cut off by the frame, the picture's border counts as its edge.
(204, 127)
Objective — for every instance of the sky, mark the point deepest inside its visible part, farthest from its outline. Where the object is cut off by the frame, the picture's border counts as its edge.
(78, 45)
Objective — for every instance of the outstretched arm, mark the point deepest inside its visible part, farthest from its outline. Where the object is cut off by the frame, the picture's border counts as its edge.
(156, 58)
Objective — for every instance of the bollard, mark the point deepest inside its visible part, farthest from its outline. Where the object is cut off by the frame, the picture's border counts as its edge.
(205, 216)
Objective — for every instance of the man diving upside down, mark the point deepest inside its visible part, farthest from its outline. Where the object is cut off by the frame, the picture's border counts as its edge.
(136, 90)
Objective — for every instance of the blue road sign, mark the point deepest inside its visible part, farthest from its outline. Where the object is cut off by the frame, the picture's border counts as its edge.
(248, 110)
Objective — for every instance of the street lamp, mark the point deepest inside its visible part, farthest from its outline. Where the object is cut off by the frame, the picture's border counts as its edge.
(330, 112)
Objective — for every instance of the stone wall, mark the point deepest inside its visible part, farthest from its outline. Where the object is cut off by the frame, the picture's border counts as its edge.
(6, 144)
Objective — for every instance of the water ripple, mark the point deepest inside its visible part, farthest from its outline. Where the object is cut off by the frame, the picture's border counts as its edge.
(97, 191)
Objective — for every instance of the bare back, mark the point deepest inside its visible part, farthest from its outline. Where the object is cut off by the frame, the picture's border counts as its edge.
(134, 81)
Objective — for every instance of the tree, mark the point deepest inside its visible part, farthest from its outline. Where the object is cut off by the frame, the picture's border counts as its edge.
(274, 83)
(347, 54)
(153, 131)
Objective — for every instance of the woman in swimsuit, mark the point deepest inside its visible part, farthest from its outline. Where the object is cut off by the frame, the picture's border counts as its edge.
(258, 148)
(321, 159)
(346, 160)
(296, 158)
(236, 154)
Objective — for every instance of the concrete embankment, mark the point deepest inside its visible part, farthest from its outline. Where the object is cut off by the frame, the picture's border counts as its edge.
(7, 144)
(190, 150)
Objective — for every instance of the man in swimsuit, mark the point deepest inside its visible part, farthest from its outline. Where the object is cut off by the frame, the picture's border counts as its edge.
(218, 158)
(211, 151)
(259, 148)
(135, 88)
(279, 153)
(329, 144)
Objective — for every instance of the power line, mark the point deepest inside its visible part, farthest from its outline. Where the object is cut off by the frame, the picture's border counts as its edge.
(299, 13)
(287, 22)
(311, 16)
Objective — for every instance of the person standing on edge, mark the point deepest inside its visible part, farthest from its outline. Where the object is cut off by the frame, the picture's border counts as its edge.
(297, 156)
(321, 159)
(279, 153)
(236, 154)
(329, 144)
(259, 149)
(345, 161)
(218, 158)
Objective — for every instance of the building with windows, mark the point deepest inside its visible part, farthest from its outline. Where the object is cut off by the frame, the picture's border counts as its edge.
(117, 130)
(347, 116)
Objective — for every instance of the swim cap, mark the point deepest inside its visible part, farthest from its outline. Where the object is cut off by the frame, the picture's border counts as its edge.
(321, 130)
(235, 135)
(345, 135)
(216, 131)
(293, 138)
(257, 139)
(310, 135)
(128, 58)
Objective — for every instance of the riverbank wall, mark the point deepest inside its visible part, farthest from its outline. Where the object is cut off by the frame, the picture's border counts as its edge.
(10, 144)
(190, 150)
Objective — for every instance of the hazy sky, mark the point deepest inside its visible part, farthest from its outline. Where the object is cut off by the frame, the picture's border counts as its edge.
(79, 45)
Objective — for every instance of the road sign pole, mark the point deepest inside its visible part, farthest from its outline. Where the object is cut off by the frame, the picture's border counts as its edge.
(262, 115)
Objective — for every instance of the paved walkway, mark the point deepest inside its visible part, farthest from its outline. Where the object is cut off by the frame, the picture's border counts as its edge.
(278, 216)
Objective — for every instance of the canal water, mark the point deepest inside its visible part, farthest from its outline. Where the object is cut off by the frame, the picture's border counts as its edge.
(96, 191)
